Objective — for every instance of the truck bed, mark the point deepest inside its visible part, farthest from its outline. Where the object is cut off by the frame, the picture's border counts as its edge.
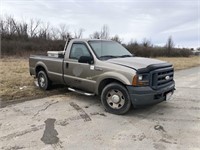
(52, 65)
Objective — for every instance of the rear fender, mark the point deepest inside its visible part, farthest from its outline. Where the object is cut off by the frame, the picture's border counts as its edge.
(40, 64)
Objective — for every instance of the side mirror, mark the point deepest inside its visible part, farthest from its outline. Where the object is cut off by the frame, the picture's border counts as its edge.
(86, 59)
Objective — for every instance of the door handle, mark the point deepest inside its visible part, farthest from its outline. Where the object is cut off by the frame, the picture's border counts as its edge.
(67, 65)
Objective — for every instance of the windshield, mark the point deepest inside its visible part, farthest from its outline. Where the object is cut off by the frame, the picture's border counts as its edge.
(109, 49)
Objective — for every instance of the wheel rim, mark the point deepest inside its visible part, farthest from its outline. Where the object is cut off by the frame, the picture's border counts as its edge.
(42, 81)
(115, 99)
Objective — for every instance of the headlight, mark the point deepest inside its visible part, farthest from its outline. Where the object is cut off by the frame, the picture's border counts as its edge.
(140, 77)
(141, 80)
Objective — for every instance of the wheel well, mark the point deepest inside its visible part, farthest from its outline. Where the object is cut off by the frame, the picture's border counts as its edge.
(106, 82)
(39, 68)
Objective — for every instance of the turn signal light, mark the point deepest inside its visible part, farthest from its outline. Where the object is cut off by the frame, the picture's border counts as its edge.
(137, 81)
(134, 82)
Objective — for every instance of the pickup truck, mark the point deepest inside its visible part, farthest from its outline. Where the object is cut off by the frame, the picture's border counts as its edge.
(105, 68)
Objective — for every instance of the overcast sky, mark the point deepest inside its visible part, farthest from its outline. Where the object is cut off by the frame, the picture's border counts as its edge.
(155, 20)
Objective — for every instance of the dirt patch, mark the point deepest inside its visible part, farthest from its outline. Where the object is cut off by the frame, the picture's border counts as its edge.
(96, 113)
(13, 147)
(21, 133)
(159, 128)
(17, 84)
(81, 112)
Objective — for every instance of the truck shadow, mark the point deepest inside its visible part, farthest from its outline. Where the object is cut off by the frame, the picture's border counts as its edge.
(148, 110)
(95, 101)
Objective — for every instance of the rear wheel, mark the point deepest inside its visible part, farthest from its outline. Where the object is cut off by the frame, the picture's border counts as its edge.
(43, 81)
(115, 99)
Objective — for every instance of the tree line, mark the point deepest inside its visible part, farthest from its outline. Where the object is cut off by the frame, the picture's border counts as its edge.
(12, 29)
(22, 38)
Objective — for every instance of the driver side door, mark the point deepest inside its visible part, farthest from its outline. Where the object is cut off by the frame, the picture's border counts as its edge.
(79, 75)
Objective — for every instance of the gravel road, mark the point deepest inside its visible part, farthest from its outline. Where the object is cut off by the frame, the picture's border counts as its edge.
(73, 121)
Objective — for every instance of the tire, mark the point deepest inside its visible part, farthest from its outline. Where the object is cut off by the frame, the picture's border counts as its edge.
(43, 80)
(115, 99)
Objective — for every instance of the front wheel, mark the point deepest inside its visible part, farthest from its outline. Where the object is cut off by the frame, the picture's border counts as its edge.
(115, 99)
(43, 81)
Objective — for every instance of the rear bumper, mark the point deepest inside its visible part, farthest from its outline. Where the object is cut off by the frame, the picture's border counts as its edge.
(146, 95)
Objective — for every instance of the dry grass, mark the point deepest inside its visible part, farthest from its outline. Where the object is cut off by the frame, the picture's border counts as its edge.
(182, 62)
(16, 82)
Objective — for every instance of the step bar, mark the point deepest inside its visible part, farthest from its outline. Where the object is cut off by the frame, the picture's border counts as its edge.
(81, 92)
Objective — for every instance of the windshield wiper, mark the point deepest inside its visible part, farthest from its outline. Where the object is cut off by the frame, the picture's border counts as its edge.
(111, 56)
(108, 57)
(125, 56)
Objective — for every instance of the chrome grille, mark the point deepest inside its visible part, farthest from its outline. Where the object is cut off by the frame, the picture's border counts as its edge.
(162, 77)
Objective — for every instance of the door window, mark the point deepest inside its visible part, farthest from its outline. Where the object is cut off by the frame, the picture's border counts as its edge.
(78, 50)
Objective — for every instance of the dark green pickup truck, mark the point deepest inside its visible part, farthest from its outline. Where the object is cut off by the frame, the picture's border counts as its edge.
(105, 68)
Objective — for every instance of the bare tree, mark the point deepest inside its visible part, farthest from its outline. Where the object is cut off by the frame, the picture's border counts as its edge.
(105, 32)
(21, 29)
(169, 45)
(34, 24)
(44, 31)
(135, 43)
(95, 35)
(10, 25)
(54, 33)
(117, 39)
(78, 34)
(64, 32)
(146, 43)
(2, 27)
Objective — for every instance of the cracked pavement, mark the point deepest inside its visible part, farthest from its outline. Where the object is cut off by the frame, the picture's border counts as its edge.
(73, 121)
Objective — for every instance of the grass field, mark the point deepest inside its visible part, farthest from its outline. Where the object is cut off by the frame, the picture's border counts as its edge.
(182, 62)
(16, 82)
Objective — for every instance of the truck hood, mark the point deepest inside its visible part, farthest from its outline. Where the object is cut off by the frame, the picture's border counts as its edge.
(135, 62)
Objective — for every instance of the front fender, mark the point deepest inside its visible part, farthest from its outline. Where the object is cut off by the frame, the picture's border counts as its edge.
(112, 75)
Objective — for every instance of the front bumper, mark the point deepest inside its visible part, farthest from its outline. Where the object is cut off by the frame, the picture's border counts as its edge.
(146, 95)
